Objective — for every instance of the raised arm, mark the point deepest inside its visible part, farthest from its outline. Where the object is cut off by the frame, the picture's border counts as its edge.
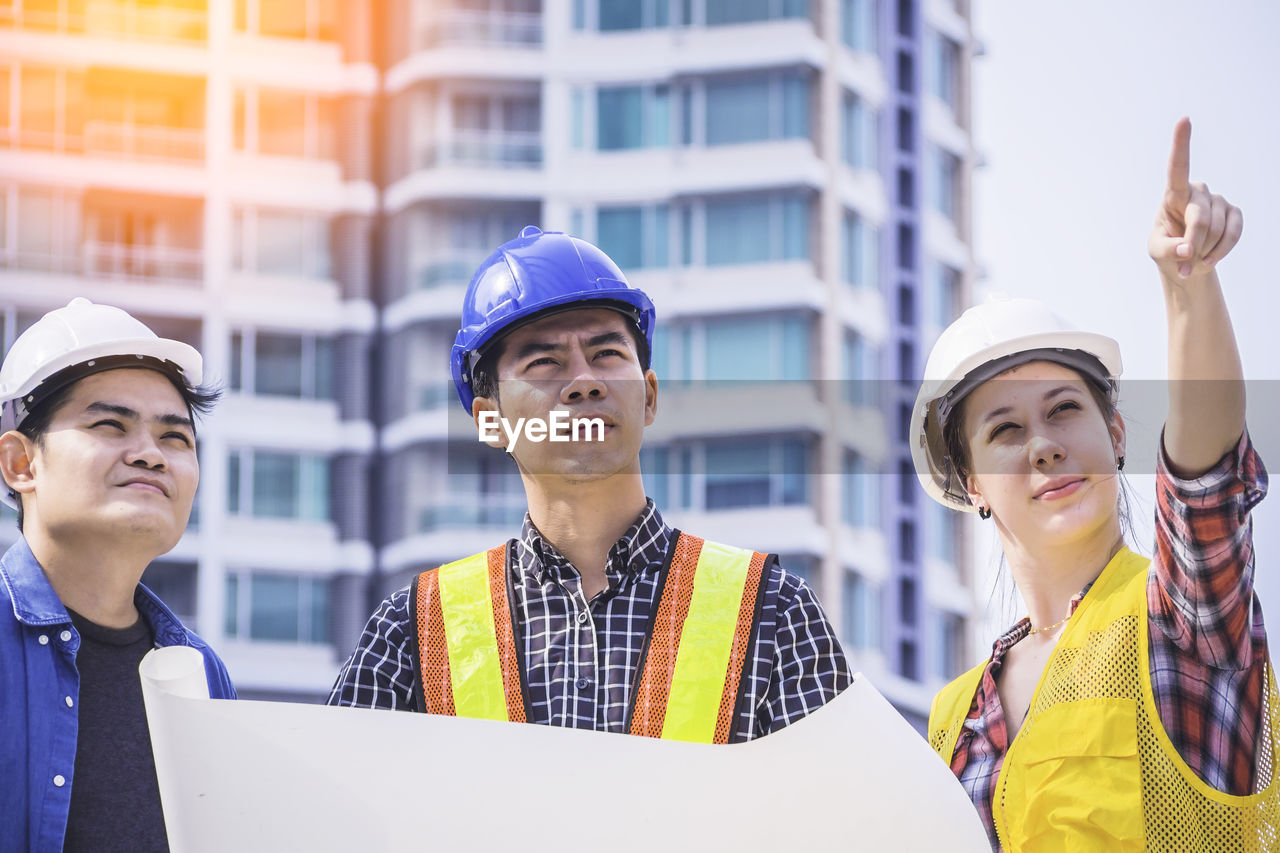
(1194, 230)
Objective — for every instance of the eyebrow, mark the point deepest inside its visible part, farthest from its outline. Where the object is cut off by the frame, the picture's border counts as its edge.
(537, 347)
(130, 414)
(1048, 395)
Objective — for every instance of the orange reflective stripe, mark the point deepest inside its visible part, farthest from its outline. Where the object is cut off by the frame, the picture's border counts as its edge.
(434, 671)
(433, 653)
(650, 709)
(649, 715)
(504, 635)
(741, 636)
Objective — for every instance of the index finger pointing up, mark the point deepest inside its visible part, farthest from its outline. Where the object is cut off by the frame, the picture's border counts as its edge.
(1180, 157)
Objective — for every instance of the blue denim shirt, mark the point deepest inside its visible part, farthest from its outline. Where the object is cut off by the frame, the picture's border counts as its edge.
(39, 698)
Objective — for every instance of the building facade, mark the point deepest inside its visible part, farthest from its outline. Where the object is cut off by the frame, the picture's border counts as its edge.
(302, 188)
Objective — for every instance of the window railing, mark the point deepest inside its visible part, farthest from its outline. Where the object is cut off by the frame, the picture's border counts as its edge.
(496, 511)
(504, 149)
(123, 260)
(480, 28)
(446, 273)
(150, 142)
(104, 17)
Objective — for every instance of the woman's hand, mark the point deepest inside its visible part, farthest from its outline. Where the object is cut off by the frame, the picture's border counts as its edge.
(1194, 228)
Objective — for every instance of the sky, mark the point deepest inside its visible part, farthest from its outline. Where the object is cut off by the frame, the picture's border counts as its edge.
(1074, 108)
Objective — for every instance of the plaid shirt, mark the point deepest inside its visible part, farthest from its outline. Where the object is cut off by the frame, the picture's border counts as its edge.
(581, 657)
(1208, 643)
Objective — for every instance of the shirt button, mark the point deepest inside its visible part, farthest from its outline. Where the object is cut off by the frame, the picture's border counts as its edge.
(70, 703)
(582, 683)
(44, 639)
(65, 636)
(582, 618)
(59, 781)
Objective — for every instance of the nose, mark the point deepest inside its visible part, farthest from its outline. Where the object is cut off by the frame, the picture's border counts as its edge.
(584, 385)
(1045, 452)
(146, 452)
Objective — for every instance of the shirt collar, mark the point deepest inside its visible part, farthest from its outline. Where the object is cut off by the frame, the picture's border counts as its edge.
(642, 546)
(1022, 628)
(33, 598)
(36, 603)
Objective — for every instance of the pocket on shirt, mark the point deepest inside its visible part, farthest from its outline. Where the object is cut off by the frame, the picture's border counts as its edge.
(1076, 783)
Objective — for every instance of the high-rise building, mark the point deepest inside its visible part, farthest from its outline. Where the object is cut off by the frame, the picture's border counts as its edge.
(301, 188)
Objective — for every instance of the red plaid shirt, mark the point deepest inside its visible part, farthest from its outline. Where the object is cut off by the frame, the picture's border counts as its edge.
(1208, 642)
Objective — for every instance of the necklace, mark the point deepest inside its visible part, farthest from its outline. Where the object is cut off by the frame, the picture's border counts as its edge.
(1050, 627)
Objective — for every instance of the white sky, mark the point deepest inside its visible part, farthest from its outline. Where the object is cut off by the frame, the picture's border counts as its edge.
(1074, 107)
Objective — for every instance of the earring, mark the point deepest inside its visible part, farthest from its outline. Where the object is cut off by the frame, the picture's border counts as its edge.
(1120, 464)
(984, 513)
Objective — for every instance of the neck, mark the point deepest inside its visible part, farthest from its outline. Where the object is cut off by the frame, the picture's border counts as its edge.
(583, 520)
(1049, 576)
(95, 579)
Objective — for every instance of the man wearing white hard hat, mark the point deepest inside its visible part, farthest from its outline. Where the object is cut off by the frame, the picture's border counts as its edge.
(98, 456)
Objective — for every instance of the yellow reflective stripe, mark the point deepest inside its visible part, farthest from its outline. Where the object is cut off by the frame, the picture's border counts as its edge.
(706, 640)
(473, 644)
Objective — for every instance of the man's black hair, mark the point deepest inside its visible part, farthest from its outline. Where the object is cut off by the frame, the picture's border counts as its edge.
(199, 400)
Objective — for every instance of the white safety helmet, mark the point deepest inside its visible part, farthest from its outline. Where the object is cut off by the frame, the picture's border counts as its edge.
(70, 343)
(984, 341)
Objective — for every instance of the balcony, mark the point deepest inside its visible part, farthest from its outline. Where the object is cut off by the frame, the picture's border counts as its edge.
(506, 511)
(479, 28)
(112, 19)
(506, 149)
(147, 142)
(114, 261)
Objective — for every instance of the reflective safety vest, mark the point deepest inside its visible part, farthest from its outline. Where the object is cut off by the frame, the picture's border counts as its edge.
(689, 688)
(1092, 767)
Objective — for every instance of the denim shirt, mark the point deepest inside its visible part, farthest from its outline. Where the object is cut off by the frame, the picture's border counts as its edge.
(39, 698)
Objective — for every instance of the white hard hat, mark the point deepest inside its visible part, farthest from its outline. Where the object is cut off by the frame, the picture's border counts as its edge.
(92, 338)
(983, 341)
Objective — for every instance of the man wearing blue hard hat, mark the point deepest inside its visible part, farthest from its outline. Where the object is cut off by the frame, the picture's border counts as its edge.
(98, 455)
(598, 615)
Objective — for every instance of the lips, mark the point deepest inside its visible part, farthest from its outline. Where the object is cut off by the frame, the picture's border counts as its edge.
(148, 482)
(1058, 487)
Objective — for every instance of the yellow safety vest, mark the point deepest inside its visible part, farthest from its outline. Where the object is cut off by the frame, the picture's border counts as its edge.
(470, 665)
(1092, 767)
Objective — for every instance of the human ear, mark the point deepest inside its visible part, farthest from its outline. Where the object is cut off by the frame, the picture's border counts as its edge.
(1117, 430)
(650, 396)
(17, 453)
(487, 417)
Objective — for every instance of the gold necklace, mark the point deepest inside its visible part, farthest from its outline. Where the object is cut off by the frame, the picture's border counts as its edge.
(1049, 627)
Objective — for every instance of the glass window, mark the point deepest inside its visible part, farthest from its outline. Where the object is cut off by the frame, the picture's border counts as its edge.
(738, 476)
(277, 479)
(621, 15)
(737, 111)
(273, 608)
(946, 66)
(282, 123)
(5, 102)
(757, 473)
(946, 297)
(858, 24)
(39, 107)
(858, 133)
(618, 118)
(738, 231)
(739, 348)
(619, 234)
(278, 365)
(861, 498)
(860, 609)
(949, 659)
(946, 175)
(942, 532)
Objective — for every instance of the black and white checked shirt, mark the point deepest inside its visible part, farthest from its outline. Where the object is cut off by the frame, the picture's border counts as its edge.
(581, 658)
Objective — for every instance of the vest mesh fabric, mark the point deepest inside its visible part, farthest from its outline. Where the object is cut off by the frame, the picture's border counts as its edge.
(1097, 681)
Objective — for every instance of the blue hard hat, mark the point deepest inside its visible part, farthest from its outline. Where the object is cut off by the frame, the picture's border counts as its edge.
(533, 275)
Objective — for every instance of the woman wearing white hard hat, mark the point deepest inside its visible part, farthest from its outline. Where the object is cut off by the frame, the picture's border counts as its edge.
(1134, 707)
